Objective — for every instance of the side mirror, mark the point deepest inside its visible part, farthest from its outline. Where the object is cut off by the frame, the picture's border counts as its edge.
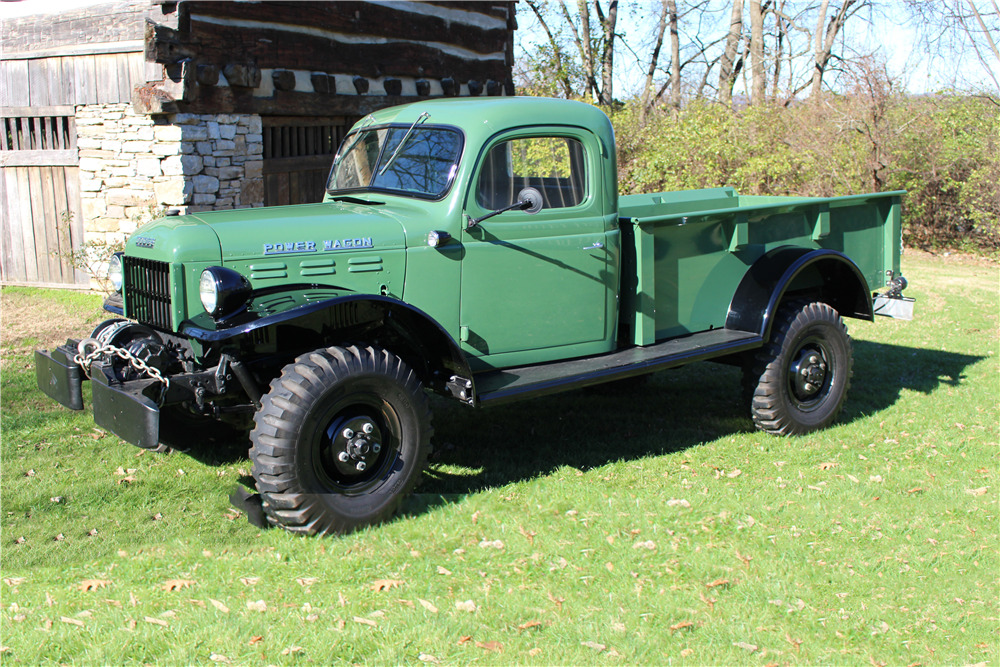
(529, 200)
(533, 198)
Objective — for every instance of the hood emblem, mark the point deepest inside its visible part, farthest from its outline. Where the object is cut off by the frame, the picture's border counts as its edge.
(144, 241)
(311, 246)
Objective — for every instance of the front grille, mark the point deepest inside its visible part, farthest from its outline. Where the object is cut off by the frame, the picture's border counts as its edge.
(147, 291)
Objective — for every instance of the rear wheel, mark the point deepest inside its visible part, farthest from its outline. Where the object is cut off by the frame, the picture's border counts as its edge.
(801, 376)
(341, 437)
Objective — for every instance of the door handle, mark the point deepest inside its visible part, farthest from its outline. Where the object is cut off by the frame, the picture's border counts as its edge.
(596, 246)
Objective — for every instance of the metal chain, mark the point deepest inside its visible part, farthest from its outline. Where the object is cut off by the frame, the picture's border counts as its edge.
(85, 359)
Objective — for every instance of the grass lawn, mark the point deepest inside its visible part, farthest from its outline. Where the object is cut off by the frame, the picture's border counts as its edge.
(644, 524)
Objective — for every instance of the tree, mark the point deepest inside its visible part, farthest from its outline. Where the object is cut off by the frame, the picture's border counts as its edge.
(824, 40)
(728, 70)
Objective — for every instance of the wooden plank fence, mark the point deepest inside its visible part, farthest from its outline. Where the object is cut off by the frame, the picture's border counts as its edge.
(298, 154)
(41, 223)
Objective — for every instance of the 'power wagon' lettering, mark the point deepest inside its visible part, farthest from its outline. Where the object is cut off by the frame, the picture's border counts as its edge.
(310, 246)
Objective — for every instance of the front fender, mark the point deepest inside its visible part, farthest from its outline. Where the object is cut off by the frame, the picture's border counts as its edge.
(826, 275)
(409, 332)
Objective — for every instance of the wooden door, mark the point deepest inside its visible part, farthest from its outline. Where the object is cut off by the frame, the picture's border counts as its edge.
(42, 224)
(298, 153)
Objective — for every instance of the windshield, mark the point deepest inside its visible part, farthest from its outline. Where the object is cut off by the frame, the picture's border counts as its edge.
(372, 158)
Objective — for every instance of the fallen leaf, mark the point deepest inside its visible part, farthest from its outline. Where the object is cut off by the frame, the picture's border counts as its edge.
(218, 605)
(59, 538)
(675, 502)
(155, 621)
(56, 499)
(407, 603)
(475, 517)
(648, 544)
(529, 624)
(428, 606)
(534, 652)
(464, 639)
(467, 605)
(558, 601)
(14, 581)
(530, 535)
(292, 650)
(495, 647)
(365, 621)
(981, 491)
(218, 657)
(717, 582)
(129, 479)
(92, 533)
(427, 657)
(745, 646)
(176, 584)
(71, 621)
(249, 581)
(197, 603)
(681, 625)
(594, 645)
(491, 544)
(827, 465)
(92, 584)
(444, 571)
(875, 478)
(385, 584)
(157, 517)
(312, 618)
(734, 473)
(687, 652)
(307, 581)
(259, 605)
(256, 639)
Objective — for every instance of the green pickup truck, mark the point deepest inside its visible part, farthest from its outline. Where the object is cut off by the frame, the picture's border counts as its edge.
(478, 249)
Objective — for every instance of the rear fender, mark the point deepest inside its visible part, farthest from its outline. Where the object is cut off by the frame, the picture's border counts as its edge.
(823, 275)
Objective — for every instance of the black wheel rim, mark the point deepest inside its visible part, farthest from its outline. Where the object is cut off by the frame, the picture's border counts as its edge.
(357, 445)
(810, 374)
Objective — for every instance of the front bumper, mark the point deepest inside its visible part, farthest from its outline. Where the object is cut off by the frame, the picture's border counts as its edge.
(125, 409)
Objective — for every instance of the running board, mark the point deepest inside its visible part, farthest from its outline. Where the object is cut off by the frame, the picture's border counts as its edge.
(501, 386)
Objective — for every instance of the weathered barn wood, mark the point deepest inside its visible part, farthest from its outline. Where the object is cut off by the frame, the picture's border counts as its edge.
(399, 47)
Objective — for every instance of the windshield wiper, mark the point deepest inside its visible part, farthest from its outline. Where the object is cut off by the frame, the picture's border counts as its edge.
(355, 200)
(392, 158)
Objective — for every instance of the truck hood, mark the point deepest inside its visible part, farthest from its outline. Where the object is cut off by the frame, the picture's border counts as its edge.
(302, 230)
(237, 235)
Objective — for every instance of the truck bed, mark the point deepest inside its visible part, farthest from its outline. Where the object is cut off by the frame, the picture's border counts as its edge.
(689, 250)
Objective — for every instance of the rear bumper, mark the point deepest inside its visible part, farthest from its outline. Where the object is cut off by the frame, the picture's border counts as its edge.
(125, 409)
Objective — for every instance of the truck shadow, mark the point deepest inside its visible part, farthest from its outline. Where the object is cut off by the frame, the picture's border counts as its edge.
(669, 412)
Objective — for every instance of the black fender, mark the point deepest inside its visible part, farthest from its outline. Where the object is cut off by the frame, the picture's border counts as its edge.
(407, 331)
(826, 275)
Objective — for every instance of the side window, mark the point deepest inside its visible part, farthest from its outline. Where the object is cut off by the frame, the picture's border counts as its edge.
(553, 165)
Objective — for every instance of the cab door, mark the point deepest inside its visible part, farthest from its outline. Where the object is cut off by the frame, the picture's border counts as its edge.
(535, 287)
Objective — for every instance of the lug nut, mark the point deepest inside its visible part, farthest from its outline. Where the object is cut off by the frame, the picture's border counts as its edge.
(804, 372)
(368, 428)
(348, 433)
(813, 359)
(376, 448)
(809, 386)
(361, 466)
(822, 366)
(343, 457)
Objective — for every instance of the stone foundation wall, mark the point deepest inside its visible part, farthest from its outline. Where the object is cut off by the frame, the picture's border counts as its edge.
(133, 167)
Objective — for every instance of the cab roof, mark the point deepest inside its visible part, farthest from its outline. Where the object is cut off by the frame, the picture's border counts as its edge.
(485, 116)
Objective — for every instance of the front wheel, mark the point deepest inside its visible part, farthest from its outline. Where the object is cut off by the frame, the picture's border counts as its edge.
(800, 378)
(341, 437)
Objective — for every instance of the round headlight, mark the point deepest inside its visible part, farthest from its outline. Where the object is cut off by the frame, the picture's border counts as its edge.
(223, 292)
(115, 273)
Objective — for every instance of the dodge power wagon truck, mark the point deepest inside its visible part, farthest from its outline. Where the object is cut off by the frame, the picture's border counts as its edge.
(477, 249)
